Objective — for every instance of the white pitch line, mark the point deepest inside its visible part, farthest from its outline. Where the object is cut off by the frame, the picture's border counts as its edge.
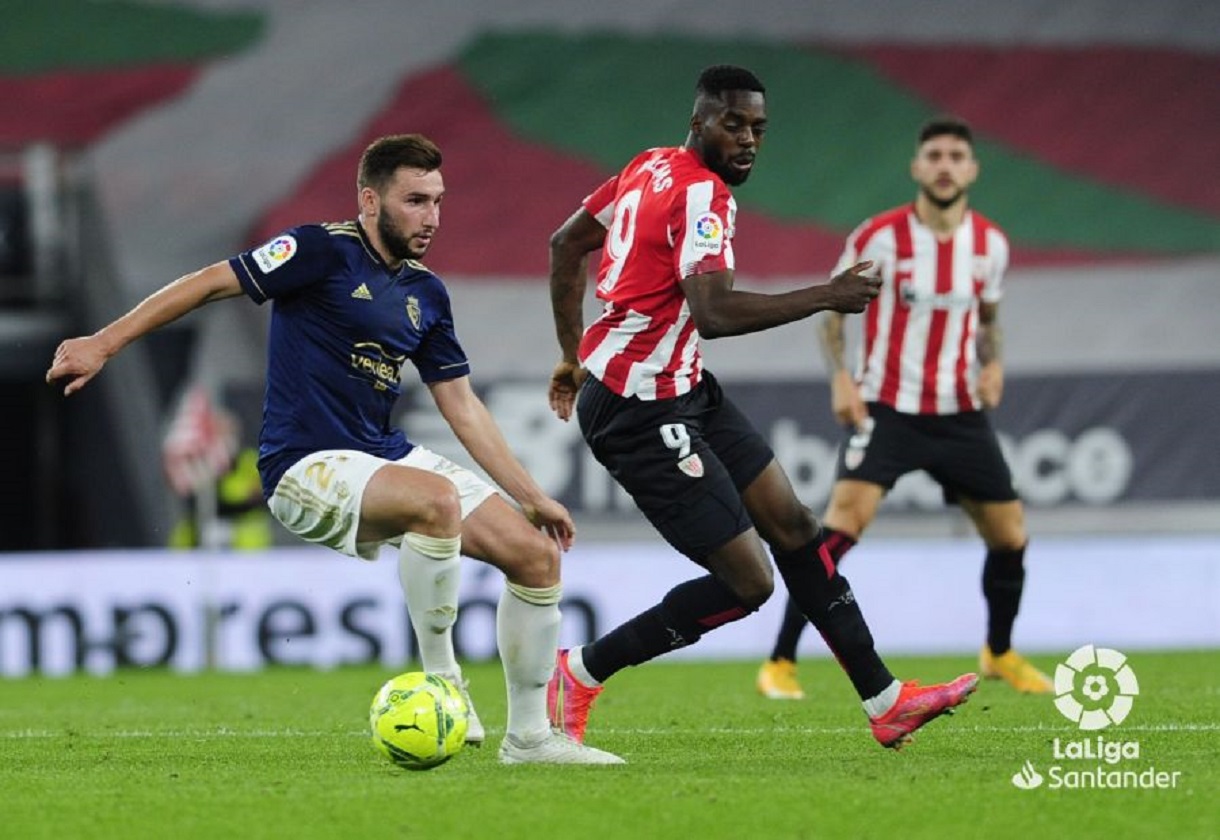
(713, 730)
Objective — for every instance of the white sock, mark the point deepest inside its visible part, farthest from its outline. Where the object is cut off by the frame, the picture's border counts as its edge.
(428, 569)
(576, 664)
(527, 634)
(880, 704)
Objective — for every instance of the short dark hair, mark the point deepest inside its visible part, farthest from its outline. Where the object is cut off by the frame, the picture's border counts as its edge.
(386, 155)
(718, 78)
(946, 124)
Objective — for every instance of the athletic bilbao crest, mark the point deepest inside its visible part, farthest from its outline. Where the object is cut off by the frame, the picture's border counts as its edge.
(853, 458)
(413, 310)
(858, 443)
(692, 465)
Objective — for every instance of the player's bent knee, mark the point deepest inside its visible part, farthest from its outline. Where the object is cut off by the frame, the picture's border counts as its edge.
(541, 563)
(753, 586)
(534, 562)
(850, 512)
(449, 504)
(1005, 537)
(442, 512)
(797, 530)
(846, 519)
(756, 593)
(1009, 542)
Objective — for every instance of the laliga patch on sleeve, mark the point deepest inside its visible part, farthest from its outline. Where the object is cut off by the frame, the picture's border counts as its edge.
(275, 253)
(707, 233)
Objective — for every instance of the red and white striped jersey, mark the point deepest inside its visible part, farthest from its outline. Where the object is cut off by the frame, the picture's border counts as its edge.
(668, 217)
(918, 350)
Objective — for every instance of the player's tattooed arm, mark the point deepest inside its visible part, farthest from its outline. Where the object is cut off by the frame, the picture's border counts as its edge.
(989, 345)
(832, 340)
(990, 337)
(845, 399)
(569, 258)
(570, 246)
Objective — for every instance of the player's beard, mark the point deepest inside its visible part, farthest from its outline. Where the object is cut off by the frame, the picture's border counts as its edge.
(732, 177)
(398, 245)
(718, 162)
(943, 203)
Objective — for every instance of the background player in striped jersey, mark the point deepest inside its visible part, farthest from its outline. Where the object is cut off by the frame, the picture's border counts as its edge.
(929, 367)
(670, 436)
(351, 306)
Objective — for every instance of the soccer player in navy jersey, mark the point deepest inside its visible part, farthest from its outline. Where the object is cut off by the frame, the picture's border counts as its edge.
(929, 366)
(351, 304)
(662, 426)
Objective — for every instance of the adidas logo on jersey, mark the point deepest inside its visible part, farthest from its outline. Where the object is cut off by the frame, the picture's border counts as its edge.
(362, 292)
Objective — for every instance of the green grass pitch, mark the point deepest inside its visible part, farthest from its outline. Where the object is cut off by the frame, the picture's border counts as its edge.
(285, 753)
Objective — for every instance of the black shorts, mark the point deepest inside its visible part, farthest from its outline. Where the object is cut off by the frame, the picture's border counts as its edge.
(684, 460)
(960, 451)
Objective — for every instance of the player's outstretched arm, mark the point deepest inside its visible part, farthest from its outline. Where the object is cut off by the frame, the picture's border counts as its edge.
(569, 252)
(719, 310)
(477, 430)
(77, 360)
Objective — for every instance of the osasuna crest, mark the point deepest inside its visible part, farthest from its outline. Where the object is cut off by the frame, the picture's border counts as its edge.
(692, 465)
(413, 310)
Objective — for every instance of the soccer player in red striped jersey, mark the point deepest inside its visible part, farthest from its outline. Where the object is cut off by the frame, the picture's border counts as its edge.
(667, 432)
(929, 367)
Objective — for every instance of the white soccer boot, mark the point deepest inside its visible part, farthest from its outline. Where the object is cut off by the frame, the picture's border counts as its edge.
(552, 748)
(474, 728)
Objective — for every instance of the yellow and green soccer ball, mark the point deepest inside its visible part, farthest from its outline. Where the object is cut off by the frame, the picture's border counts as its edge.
(419, 720)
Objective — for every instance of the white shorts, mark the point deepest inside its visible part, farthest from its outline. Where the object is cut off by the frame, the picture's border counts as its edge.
(318, 499)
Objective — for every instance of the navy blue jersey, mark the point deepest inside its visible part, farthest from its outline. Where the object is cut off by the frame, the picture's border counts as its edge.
(342, 325)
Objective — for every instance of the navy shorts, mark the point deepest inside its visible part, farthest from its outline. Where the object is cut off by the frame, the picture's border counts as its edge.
(685, 460)
(960, 452)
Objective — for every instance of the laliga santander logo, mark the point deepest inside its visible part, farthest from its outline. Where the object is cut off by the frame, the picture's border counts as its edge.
(1095, 687)
(708, 226)
(282, 248)
(275, 253)
(709, 234)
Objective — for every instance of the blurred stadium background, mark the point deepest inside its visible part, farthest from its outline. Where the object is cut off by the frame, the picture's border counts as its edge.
(141, 140)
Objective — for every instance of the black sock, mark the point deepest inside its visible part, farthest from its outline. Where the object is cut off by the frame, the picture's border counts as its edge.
(789, 635)
(794, 623)
(826, 599)
(1003, 582)
(686, 612)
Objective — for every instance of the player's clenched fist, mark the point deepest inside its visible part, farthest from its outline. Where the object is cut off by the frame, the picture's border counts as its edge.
(853, 289)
